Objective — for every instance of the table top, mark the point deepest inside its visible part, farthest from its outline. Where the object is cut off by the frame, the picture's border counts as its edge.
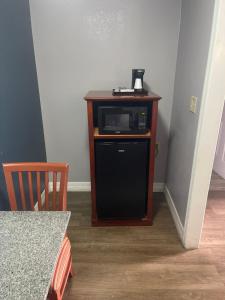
(29, 249)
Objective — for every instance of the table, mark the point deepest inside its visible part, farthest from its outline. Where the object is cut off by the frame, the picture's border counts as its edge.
(29, 248)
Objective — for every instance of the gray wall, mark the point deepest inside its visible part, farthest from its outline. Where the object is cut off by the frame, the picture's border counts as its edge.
(196, 23)
(82, 45)
(21, 130)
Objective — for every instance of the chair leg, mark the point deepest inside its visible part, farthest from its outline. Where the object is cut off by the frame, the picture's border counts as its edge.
(54, 296)
(71, 273)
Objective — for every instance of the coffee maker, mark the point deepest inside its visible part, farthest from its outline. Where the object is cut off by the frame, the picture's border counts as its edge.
(137, 79)
(137, 86)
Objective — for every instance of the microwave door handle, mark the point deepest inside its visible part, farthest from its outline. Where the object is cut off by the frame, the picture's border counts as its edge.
(132, 120)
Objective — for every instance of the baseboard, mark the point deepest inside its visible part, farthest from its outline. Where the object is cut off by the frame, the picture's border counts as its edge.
(74, 186)
(79, 186)
(42, 200)
(158, 187)
(174, 213)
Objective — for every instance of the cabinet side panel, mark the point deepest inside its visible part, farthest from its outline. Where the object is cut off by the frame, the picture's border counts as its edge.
(152, 160)
(92, 158)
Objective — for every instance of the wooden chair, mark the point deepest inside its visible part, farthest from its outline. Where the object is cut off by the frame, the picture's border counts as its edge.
(39, 173)
(31, 179)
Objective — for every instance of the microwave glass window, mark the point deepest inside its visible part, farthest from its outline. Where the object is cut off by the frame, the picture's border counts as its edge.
(122, 119)
(117, 121)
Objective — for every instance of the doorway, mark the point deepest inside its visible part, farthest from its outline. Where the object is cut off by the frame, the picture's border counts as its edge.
(213, 232)
(214, 223)
(219, 160)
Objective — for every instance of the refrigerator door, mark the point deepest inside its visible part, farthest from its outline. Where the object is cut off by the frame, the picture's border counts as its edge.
(121, 179)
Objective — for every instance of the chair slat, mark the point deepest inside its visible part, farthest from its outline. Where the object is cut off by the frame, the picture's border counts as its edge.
(39, 190)
(54, 194)
(10, 189)
(22, 194)
(30, 186)
(46, 191)
(62, 192)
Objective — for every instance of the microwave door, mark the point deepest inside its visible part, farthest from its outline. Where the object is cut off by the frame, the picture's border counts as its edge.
(124, 122)
(133, 122)
(117, 121)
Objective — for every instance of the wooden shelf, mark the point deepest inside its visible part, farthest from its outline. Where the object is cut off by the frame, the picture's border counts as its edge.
(120, 136)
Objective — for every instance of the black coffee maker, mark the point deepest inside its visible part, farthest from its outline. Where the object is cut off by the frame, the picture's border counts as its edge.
(137, 79)
(137, 87)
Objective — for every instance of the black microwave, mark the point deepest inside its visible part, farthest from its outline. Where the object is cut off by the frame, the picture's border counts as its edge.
(123, 119)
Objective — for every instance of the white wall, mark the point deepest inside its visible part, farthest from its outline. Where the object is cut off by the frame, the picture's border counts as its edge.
(82, 45)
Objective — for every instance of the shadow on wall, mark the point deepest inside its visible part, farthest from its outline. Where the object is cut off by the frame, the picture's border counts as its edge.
(161, 159)
(3, 193)
(21, 129)
(162, 140)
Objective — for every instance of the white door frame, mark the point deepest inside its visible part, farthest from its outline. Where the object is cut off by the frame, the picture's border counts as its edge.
(208, 129)
(219, 163)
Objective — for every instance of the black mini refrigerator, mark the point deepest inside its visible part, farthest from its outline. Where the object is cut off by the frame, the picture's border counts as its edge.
(121, 178)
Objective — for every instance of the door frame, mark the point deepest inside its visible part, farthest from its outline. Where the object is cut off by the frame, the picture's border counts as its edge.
(208, 130)
(219, 164)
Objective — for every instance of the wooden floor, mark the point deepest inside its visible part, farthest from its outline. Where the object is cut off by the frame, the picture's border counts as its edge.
(141, 263)
(217, 183)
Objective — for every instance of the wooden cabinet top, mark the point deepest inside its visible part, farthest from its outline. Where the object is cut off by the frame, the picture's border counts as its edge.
(107, 96)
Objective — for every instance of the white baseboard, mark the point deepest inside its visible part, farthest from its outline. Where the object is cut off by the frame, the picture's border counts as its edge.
(86, 186)
(158, 187)
(79, 186)
(42, 200)
(74, 186)
(174, 213)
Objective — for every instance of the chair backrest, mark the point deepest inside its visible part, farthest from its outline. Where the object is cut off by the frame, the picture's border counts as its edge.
(31, 179)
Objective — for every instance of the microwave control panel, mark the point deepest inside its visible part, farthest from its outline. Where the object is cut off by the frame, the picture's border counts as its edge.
(142, 120)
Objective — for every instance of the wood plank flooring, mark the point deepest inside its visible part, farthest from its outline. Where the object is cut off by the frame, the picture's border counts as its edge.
(217, 182)
(139, 263)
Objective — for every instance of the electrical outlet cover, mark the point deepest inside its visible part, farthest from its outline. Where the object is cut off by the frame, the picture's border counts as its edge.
(193, 104)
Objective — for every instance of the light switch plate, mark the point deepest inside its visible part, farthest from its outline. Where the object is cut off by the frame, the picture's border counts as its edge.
(193, 104)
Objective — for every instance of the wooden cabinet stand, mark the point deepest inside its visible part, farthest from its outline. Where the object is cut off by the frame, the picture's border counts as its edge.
(95, 97)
